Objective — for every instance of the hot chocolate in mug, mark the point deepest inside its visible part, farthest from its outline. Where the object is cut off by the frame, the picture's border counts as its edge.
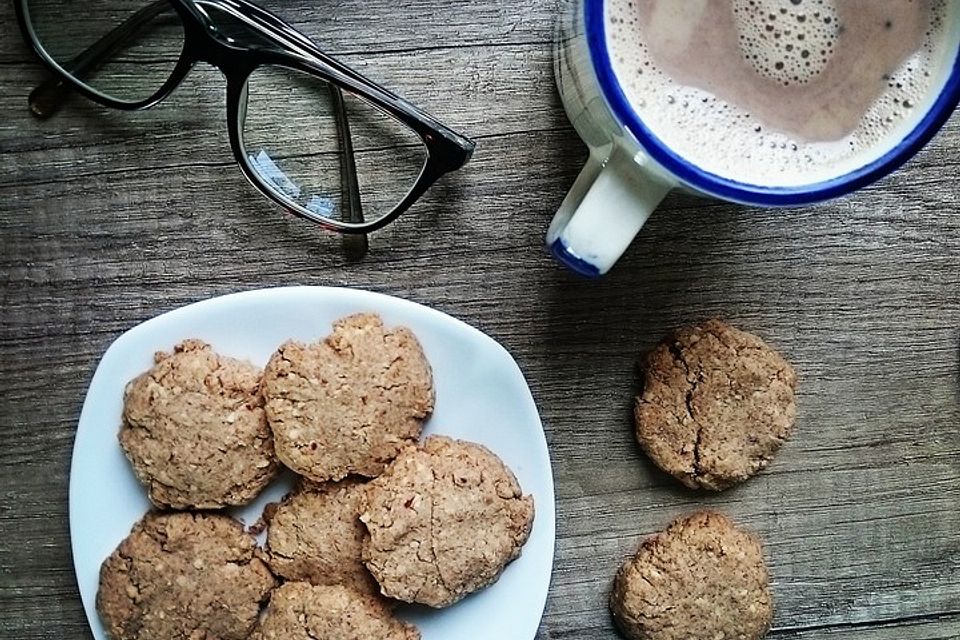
(760, 102)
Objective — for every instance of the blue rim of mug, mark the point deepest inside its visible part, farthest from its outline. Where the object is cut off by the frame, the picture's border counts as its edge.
(742, 192)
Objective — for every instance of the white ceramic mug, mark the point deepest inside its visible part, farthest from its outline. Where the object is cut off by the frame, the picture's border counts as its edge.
(630, 170)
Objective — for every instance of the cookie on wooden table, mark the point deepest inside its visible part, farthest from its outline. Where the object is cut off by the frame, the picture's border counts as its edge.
(701, 578)
(300, 611)
(444, 521)
(195, 430)
(315, 535)
(716, 406)
(350, 403)
(183, 575)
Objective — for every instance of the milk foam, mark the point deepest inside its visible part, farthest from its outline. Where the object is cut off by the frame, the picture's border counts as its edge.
(790, 43)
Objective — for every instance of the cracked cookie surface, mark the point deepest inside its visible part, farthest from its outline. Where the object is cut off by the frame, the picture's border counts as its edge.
(315, 535)
(350, 403)
(300, 611)
(717, 405)
(195, 431)
(183, 575)
(701, 578)
(444, 521)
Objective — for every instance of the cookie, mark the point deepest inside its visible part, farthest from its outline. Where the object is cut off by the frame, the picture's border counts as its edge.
(316, 536)
(300, 611)
(183, 575)
(716, 406)
(195, 431)
(348, 404)
(444, 520)
(701, 578)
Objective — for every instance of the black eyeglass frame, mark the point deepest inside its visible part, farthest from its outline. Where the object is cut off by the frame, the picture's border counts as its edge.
(446, 150)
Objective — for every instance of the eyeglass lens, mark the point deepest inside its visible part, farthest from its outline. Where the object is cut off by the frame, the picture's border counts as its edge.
(138, 60)
(325, 151)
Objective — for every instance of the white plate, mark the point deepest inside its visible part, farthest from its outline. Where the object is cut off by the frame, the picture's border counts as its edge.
(481, 396)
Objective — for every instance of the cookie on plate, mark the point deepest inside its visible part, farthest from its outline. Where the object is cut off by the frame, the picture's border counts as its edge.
(444, 520)
(195, 431)
(716, 406)
(183, 575)
(701, 578)
(300, 611)
(315, 535)
(348, 404)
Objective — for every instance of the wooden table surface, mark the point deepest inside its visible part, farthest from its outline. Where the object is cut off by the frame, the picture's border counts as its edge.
(107, 219)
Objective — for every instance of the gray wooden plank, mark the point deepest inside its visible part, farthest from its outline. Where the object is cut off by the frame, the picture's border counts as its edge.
(347, 26)
(497, 91)
(932, 628)
(108, 219)
(918, 350)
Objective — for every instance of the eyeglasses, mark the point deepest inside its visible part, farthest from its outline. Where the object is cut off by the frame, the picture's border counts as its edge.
(313, 135)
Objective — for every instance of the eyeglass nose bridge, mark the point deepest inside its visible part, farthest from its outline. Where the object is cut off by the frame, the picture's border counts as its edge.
(205, 42)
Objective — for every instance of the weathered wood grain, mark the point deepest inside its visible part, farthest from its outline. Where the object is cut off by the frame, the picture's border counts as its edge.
(189, 130)
(345, 26)
(933, 628)
(107, 219)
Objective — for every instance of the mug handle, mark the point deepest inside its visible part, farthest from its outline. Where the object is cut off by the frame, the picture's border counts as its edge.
(607, 206)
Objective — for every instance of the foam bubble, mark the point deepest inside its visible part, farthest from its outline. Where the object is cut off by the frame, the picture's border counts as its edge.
(787, 41)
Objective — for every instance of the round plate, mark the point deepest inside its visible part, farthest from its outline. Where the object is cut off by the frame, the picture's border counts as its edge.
(481, 396)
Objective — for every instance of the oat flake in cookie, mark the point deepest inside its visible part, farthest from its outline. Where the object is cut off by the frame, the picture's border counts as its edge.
(183, 575)
(348, 404)
(299, 611)
(315, 535)
(195, 430)
(701, 578)
(716, 406)
(444, 520)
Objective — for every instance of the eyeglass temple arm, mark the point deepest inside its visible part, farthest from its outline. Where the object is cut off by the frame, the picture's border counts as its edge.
(355, 245)
(48, 97)
(308, 48)
(311, 50)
